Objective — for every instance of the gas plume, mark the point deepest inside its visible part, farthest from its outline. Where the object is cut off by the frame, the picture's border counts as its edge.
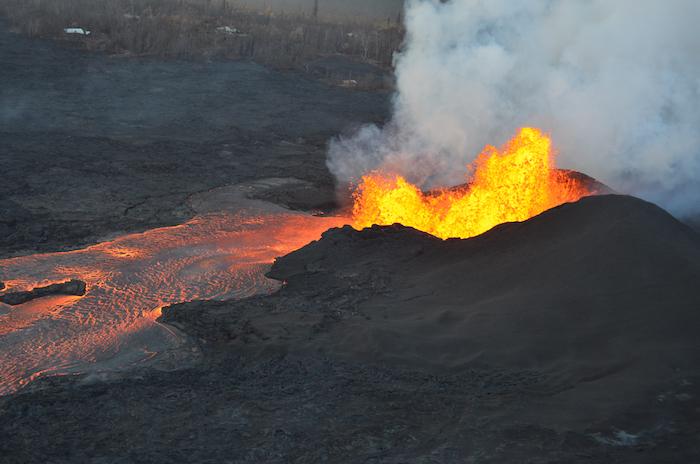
(615, 83)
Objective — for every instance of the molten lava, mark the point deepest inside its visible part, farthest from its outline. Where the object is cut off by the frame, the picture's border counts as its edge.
(514, 183)
(129, 280)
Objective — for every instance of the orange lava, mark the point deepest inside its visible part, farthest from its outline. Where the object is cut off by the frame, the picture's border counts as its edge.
(129, 280)
(123, 252)
(512, 184)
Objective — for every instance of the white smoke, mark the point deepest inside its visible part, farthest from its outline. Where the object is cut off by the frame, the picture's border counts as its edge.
(615, 82)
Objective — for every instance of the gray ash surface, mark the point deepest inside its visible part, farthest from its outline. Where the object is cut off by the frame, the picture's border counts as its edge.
(95, 146)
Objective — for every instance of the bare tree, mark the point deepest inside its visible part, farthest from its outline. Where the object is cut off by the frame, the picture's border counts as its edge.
(202, 28)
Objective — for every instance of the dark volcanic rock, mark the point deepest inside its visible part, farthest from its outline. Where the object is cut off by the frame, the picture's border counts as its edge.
(301, 196)
(94, 146)
(693, 221)
(571, 337)
(72, 287)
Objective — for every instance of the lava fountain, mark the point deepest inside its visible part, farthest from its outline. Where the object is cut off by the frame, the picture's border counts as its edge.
(512, 184)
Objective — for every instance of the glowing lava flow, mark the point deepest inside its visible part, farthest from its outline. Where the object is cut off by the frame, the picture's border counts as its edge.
(512, 184)
(214, 256)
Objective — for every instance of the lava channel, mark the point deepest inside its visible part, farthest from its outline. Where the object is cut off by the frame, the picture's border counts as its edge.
(113, 326)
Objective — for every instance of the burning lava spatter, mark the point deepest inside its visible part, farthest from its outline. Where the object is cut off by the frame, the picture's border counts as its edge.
(512, 184)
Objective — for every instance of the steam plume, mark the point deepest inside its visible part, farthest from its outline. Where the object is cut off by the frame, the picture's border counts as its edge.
(616, 84)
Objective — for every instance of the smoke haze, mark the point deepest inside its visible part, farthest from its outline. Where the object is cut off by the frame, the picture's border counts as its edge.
(615, 83)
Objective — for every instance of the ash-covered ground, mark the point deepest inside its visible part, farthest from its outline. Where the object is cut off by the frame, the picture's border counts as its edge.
(571, 337)
(95, 146)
